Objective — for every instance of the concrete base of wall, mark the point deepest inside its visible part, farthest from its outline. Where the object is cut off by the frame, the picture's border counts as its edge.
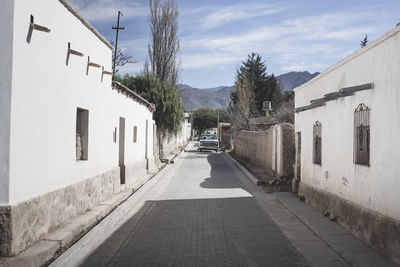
(380, 232)
(135, 173)
(27, 222)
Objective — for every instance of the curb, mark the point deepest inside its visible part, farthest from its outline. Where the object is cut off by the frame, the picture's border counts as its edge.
(245, 171)
(54, 243)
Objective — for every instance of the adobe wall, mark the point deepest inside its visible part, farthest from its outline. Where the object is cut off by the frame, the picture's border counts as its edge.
(273, 148)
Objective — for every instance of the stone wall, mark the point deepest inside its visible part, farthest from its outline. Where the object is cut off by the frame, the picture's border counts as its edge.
(272, 148)
(377, 230)
(24, 223)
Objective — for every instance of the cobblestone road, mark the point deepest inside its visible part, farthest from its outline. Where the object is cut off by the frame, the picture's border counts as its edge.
(205, 216)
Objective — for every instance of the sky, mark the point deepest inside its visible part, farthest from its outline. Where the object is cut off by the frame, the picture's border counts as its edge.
(217, 35)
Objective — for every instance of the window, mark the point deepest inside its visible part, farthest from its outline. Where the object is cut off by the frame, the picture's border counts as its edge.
(134, 134)
(361, 135)
(317, 142)
(82, 123)
(115, 135)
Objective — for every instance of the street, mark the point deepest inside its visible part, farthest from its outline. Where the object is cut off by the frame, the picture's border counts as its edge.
(205, 212)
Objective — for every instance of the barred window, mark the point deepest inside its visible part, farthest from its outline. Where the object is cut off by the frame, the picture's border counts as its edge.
(317, 142)
(361, 135)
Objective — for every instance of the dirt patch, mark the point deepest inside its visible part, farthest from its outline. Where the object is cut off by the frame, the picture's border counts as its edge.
(273, 183)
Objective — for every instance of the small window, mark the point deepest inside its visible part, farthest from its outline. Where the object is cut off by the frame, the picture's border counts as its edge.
(134, 134)
(317, 143)
(115, 135)
(361, 135)
(82, 123)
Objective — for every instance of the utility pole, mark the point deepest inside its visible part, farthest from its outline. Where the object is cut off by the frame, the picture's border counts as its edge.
(218, 125)
(116, 40)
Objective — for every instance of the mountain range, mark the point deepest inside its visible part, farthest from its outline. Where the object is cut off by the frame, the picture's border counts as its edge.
(218, 97)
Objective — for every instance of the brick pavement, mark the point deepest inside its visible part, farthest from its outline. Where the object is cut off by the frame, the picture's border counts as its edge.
(205, 217)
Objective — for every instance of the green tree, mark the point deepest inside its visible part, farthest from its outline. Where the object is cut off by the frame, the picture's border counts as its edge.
(203, 119)
(264, 86)
(223, 115)
(169, 112)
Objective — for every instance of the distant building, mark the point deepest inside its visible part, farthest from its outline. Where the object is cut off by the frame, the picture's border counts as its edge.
(69, 138)
(347, 140)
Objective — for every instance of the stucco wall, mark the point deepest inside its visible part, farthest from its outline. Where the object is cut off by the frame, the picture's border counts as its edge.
(6, 49)
(273, 148)
(172, 143)
(46, 93)
(373, 187)
(48, 85)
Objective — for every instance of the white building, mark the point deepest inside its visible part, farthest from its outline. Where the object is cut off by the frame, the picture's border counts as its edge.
(68, 138)
(348, 146)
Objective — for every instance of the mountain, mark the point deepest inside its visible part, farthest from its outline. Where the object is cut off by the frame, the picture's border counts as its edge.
(194, 98)
(293, 79)
(218, 97)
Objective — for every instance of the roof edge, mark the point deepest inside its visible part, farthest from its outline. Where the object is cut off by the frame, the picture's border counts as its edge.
(132, 94)
(352, 56)
(86, 23)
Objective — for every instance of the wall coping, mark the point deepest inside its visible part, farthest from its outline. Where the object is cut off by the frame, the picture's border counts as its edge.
(86, 23)
(352, 56)
(120, 87)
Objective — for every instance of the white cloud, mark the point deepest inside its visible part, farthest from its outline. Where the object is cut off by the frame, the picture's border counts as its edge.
(107, 10)
(293, 44)
(232, 13)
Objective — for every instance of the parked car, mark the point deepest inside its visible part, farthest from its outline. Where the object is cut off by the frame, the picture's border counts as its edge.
(208, 142)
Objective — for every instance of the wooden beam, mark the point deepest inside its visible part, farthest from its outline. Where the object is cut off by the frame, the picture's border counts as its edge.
(74, 52)
(38, 27)
(92, 64)
(106, 72)
(356, 88)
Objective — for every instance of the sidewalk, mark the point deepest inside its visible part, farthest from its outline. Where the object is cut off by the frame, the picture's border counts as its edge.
(321, 241)
(58, 241)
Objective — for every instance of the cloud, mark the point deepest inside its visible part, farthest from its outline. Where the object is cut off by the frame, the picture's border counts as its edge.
(107, 10)
(237, 12)
(297, 43)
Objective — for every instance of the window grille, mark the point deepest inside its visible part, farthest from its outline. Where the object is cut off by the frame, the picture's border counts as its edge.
(317, 143)
(361, 135)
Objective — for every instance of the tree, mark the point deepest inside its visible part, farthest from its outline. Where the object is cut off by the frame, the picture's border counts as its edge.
(224, 115)
(164, 45)
(364, 42)
(122, 58)
(263, 86)
(241, 110)
(285, 111)
(169, 112)
(203, 119)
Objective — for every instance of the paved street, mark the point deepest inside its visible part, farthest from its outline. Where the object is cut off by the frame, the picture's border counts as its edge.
(205, 217)
(203, 211)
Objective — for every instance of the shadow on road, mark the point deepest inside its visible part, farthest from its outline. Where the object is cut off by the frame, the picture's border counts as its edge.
(192, 226)
(197, 232)
(221, 176)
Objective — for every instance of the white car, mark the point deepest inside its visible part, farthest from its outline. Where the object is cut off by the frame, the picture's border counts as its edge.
(208, 142)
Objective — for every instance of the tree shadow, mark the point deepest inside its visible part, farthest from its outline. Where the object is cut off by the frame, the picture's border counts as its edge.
(221, 176)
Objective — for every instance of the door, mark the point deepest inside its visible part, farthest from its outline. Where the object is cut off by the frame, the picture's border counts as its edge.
(297, 169)
(122, 149)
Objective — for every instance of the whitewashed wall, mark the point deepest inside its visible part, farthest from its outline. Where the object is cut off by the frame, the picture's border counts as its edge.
(45, 95)
(374, 187)
(6, 48)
